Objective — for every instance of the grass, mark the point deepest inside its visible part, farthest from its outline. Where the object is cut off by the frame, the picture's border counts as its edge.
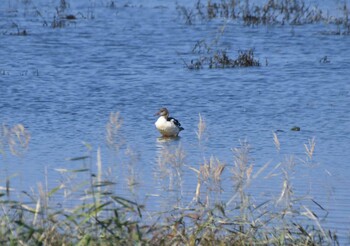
(220, 59)
(99, 216)
(208, 54)
(269, 12)
(245, 12)
(212, 58)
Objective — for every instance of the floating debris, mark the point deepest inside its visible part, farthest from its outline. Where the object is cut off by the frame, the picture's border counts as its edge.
(324, 60)
(295, 128)
(71, 17)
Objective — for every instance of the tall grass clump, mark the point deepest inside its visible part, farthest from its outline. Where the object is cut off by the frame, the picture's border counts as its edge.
(209, 54)
(294, 12)
(221, 59)
(214, 58)
(92, 211)
(241, 220)
(268, 12)
(89, 212)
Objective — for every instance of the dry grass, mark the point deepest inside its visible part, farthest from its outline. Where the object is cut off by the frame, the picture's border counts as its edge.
(98, 216)
(310, 148)
(16, 138)
(201, 128)
(276, 141)
(171, 162)
(114, 137)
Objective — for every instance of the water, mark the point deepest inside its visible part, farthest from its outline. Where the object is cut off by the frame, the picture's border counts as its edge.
(62, 84)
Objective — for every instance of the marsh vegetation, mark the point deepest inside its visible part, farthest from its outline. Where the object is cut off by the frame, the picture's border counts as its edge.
(100, 216)
(254, 14)
(269, 12)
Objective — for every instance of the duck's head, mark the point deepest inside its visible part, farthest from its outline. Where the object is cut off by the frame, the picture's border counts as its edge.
(163, 112)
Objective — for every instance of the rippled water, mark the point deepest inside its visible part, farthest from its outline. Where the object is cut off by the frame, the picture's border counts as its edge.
(62, 84)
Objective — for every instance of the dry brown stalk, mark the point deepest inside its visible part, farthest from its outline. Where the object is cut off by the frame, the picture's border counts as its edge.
(113, 135)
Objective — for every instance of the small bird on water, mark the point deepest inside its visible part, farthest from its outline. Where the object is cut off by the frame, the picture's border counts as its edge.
(167, 126)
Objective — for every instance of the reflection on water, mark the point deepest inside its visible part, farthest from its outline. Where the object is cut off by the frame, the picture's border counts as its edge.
(163, 139)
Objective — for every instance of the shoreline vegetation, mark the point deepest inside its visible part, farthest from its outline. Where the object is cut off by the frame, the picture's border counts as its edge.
(98, 215)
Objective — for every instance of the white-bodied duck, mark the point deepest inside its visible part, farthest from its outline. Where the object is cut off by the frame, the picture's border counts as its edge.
(167, 126)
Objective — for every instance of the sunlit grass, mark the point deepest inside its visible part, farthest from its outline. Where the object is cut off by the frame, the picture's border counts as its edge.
(97, 215)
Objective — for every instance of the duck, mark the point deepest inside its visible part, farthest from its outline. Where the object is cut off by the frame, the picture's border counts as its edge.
(167, 126)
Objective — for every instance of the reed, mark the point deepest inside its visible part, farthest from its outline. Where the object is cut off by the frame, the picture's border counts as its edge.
(269, 12)
(208, 55)
(265, 12)
(15, 138)
(201, 128)
(92, 212)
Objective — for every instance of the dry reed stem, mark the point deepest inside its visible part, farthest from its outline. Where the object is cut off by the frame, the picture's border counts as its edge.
(241, 169)
(285, 197)
(198, 189)
(162, 163)
(99, 176)
(198, 225)
(276, 141)
(310, 148)
(171, 160)
(173, 156)
(201, 128)
(132, 178)
(113, 135)
(311, 215)
(210, 175)
(17, 139)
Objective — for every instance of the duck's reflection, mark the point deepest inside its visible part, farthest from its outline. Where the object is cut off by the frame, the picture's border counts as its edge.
(163, 139)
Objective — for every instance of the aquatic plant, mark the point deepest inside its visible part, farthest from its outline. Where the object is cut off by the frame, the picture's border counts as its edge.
(61, 19)
(19, 31)
(210, 55)
(269, 12)
(188, 14)
(220, 59)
